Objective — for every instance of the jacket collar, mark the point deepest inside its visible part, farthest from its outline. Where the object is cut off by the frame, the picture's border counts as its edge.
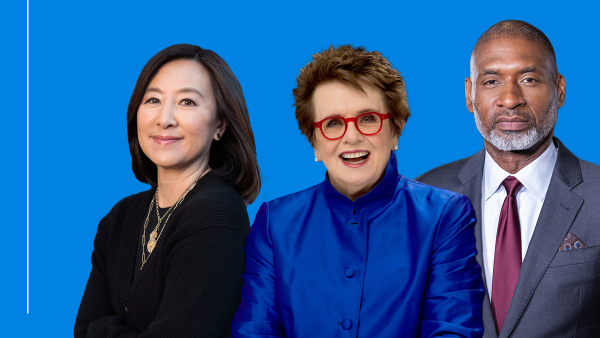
(374, 199)
(567, 166)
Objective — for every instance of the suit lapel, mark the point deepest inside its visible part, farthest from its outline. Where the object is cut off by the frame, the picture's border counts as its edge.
(556, 217)
(471, 177)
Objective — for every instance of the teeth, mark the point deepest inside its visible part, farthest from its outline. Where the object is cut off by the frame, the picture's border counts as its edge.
(355, 155)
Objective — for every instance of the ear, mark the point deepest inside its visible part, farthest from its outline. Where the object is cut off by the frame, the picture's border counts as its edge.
(317, 155)
(468, 89)
(220, 129)
(561, 87)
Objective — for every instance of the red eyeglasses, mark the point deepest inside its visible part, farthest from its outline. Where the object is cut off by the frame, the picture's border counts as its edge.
(335, 127)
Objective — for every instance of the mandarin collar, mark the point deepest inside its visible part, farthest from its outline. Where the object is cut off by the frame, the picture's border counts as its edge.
(374, 199)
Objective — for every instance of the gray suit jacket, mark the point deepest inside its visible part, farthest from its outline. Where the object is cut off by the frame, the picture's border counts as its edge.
(558, 292)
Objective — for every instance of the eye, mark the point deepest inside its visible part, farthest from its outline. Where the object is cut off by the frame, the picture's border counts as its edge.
(530, 80)
(334, 123)
(490, 82)
(368, 119)
(152, 100)
(187, 102)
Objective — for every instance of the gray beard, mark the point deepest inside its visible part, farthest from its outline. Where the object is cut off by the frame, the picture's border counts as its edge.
(511, 141)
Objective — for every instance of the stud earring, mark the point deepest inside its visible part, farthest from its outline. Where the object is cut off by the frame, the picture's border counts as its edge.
(396, 147)
(317, 159)
(218, 137)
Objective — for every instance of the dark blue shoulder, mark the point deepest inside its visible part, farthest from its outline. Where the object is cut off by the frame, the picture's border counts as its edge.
(299, 198)
(426, 194)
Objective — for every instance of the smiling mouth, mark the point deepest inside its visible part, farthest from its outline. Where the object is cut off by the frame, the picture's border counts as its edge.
(165, 140)
(355, 158)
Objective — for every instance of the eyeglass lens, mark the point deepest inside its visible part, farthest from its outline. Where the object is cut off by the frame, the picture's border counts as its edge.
(366, 124)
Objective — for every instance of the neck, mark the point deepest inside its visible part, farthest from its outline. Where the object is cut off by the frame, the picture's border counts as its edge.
(355, 193)
(173, 183)
(514, 161)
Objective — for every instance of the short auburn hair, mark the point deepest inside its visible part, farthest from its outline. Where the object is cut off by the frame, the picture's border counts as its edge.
(350, 65)
(234, 156)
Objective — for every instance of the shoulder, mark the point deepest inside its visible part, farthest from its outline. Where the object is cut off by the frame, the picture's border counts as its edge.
(289, 210)
(213, 203)
(442, 213)
(589, 188)
(213, 190)
(298, 198)
(112, 224)
(573, 170)
(125, 206)
(132, 201)
(590, 172)
(286, 214)
(292, 208)
(444, 175)
(429, 197)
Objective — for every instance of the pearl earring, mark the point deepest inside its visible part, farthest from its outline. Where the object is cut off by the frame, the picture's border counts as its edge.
(317, 159)
(396, 147)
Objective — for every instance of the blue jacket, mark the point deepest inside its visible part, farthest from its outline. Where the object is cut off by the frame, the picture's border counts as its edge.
(397, 262)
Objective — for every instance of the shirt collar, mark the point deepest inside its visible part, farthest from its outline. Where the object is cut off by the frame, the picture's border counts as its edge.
(377, 197)
(535, 177)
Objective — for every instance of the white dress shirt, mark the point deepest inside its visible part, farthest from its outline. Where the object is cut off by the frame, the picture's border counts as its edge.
(535, 178)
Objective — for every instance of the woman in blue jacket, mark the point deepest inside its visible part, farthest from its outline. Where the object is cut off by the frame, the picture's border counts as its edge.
(367, 252)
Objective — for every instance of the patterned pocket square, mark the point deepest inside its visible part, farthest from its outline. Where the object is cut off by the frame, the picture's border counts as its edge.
(571, 242)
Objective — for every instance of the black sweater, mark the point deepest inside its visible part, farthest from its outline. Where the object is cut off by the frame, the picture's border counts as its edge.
(190, 285)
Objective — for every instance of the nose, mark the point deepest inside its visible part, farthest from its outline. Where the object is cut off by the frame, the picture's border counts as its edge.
(352, 134)
(166, 118)
(511, 96)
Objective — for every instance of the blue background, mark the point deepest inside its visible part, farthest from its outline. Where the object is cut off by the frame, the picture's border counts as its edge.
(84, 62)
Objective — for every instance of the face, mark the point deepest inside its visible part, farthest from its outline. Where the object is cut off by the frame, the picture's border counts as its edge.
(177, 119)
(514, 92)
(355, 162)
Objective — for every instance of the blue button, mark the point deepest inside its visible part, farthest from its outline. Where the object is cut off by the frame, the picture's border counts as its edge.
(349, 272)
(346, 324)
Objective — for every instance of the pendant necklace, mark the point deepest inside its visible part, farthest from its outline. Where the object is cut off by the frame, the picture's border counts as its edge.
(155, 235)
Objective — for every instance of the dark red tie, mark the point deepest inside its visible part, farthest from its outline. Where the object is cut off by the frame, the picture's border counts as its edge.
(507, 257)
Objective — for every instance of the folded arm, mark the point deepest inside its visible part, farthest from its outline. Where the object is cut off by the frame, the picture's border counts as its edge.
(258, 314)
(454, 295)
(202, 286)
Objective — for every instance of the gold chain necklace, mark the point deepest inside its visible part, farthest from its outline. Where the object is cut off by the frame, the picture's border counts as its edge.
(155, 235)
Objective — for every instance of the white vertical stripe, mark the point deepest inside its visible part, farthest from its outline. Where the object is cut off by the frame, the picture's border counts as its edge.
(27, 156)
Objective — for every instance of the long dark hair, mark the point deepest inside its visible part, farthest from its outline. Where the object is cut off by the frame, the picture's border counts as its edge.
(234, 156)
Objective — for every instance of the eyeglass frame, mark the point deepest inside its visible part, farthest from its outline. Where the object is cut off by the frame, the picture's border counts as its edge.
(347, 120)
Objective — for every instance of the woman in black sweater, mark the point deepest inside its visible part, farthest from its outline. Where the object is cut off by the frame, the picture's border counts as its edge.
(168, 262)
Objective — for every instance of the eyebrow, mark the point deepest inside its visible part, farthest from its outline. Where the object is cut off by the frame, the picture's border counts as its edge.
(527, 70)
(493, 71)
(489, 72)
(179, 91)
(153, 89)
(362, 111)
(190, 90)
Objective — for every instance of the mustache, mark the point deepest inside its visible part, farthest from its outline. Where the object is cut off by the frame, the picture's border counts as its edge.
(513, 112)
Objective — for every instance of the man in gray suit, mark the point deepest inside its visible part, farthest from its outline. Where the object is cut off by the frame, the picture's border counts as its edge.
(537, 204)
